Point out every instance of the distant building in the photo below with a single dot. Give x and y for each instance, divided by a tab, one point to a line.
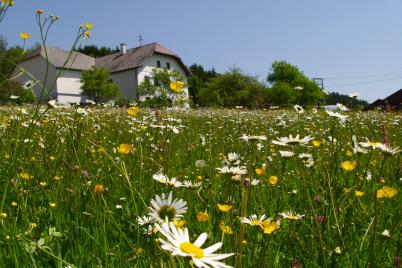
393	101
128	69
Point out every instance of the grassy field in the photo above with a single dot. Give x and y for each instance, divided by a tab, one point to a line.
79	188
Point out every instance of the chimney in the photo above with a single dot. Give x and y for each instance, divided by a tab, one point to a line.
123	48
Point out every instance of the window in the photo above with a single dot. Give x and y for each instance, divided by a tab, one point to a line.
168	65
158	63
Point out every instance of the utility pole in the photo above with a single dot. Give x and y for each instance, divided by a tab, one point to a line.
140	39
319	82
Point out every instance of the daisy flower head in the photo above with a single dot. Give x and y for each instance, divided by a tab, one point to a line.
164	207
287	154
178	243
287	141
290	215
254	220
298	109
342	118
388	150
232	157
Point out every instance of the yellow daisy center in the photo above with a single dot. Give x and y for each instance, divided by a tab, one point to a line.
256	223
167	212
190	248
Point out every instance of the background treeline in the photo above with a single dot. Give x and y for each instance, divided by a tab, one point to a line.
285	84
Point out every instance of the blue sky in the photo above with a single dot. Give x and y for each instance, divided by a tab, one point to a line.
356	46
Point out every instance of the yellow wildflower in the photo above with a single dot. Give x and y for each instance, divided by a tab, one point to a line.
99	188
87	34
349	153
224	208
52	205
43	183
349	165
14	204
316	143
133	111
88	25
269	226
273	180
202	216
25	36
177	86
125	148
225	229
359	193
25	176
260	171
387	192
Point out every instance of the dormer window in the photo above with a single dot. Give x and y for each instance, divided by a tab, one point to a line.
168	65
158	64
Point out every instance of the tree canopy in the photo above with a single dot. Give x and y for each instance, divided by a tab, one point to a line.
96	84
290	86
96	52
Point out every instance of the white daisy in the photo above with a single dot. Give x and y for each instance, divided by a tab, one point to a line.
254	220
286	141
178	243
298	109
232	170
287	154
291	216
253	138
233	157
145	220
191	184
388	150
165	207
342	118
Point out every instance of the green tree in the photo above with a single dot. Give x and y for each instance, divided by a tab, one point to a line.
155	90
96	52
290	85
234	88
97	85
198	80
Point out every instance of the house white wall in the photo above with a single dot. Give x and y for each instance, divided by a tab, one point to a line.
35	69
69	87
126	81
151	64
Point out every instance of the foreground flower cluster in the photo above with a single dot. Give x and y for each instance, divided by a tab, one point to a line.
141	188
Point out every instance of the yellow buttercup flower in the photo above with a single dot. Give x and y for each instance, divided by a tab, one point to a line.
224	208
87	34
316	143
225	229
177	86
8	2
202	216
269	226
25	176
3	216
125	148
260	171
273	180
349	153
25	36
349	165
359	193
387	192
133	111
89	26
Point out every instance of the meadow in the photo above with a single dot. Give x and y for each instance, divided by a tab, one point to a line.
116	187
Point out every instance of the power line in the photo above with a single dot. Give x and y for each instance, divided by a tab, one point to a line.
361	76
366	82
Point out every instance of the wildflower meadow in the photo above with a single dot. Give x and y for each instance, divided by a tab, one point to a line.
136	188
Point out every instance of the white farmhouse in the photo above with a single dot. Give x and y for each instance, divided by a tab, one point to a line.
62	73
